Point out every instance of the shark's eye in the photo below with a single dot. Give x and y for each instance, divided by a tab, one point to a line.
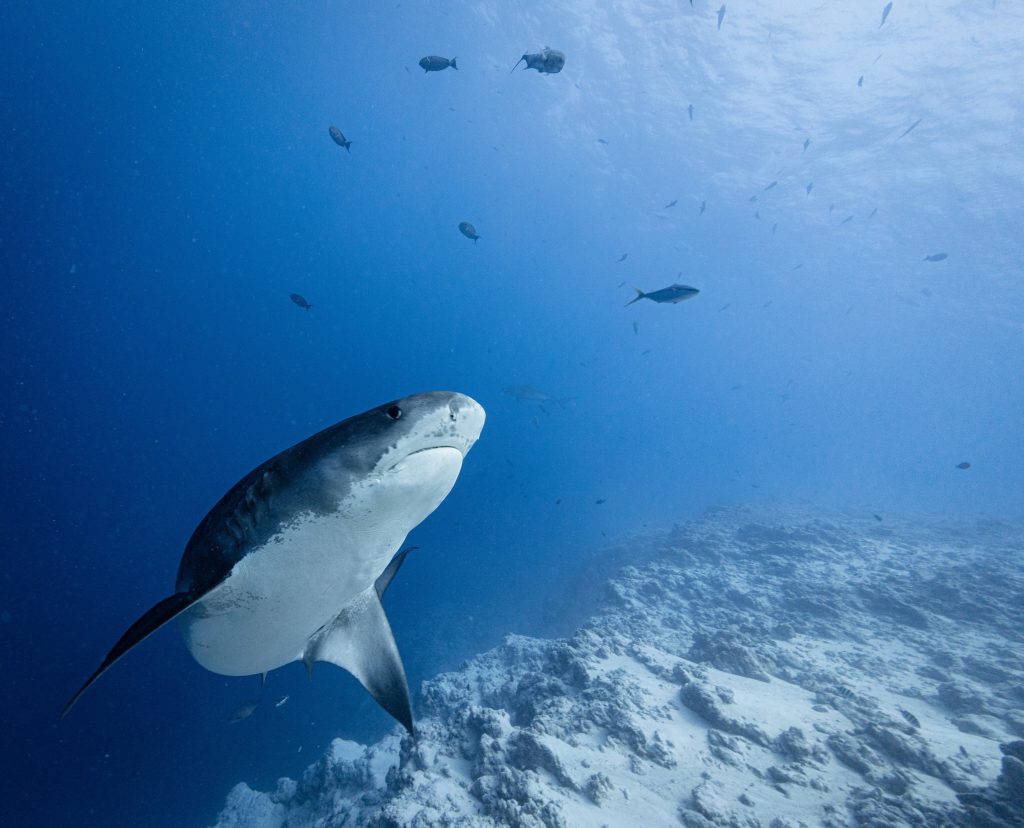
394	412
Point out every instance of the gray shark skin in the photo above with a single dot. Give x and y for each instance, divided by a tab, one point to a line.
292	561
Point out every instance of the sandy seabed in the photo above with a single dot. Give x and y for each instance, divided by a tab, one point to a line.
761	667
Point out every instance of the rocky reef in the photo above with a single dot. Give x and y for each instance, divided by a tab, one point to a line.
752	668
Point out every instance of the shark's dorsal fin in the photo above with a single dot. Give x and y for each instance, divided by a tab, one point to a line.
359	640
150	622
388	575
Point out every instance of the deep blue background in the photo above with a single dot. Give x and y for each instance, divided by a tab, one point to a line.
167	180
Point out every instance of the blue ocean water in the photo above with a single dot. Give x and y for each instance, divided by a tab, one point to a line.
168	180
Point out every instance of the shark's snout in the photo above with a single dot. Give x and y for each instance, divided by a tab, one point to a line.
468	417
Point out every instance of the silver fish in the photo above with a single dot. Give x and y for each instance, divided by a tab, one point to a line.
244	711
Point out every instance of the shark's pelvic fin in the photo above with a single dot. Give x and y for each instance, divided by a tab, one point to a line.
359	640
153	620
388	575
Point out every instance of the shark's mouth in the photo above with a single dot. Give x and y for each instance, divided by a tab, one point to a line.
423	451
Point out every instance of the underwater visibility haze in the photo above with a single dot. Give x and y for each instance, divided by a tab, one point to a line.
759	256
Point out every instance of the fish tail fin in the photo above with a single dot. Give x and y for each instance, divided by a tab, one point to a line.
639	295
454	66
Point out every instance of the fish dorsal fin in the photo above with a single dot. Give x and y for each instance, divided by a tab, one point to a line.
359	640
150	622
388	575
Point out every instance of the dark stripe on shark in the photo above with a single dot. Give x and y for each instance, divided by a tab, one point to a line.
277	492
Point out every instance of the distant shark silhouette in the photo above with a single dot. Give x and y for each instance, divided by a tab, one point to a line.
291	563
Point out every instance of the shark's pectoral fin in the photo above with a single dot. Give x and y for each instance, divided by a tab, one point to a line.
359	640
388	575
153	620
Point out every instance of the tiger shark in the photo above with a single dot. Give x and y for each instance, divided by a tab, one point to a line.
291	563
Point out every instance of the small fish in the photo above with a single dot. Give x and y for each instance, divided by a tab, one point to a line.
645	353
807	143
558	502
689	111
600	501
527	393
775	227
300	301
860	81
672	295
912	720
885	14
767	304
964	465
703	207
872	213
244	711
548	61
433	63
636	328
831	207
936	257
468	230
736	388
339	138
672	203
721	16
621	284
602	141
876	517
910	128
845	692
280	701
726	306
798	266
810	186
621	258
771	186
753	198
848	219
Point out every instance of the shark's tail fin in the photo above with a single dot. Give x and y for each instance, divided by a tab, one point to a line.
453	63
639	295
517	63
347	145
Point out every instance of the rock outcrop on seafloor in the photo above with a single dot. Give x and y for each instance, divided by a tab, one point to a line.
757	668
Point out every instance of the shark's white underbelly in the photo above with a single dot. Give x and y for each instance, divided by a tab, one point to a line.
261	616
